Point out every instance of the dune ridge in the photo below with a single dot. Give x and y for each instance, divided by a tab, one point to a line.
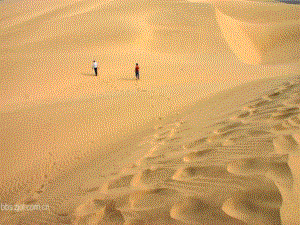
102	150
259	32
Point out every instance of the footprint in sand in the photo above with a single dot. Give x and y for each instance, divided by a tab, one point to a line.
293	101
175	139
259	104
29	199
160	139
228	138
150	199
149	159
42	187
274	95
294	90
93	189
284	113
283	128
197	155
287	87
148	179
241	115
63	214
258	133
34	196
163	133
201	172
159	127
186	173
183	127
196	143
294	121
116	183
228	127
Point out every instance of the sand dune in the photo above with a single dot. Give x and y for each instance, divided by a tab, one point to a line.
253	181
257	31
250	190
159	35
162	150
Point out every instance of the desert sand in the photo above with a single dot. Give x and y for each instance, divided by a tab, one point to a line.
208	135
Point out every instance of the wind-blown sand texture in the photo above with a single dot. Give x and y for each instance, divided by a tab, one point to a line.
163	150
238	165
259	32
259	37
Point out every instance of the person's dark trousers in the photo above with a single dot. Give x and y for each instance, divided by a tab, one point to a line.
137	75
96	73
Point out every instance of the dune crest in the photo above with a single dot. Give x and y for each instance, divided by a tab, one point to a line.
260	33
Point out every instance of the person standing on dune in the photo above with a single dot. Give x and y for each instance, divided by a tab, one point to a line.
137	71
95	67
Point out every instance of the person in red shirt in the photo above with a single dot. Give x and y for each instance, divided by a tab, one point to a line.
137	71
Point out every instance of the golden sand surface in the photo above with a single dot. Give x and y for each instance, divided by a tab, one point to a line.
208	135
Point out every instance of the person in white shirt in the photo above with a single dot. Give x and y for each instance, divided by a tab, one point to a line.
95	66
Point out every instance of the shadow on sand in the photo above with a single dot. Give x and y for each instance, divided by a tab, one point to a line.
128	79
88	74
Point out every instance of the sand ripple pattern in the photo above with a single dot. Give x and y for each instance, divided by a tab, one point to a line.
238	170
241	168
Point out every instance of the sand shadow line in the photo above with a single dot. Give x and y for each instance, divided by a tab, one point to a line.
128	79
88	74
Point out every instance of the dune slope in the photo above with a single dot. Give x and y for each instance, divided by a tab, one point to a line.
103	150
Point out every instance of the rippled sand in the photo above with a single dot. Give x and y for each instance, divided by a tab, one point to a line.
166	149
237	168
235	163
